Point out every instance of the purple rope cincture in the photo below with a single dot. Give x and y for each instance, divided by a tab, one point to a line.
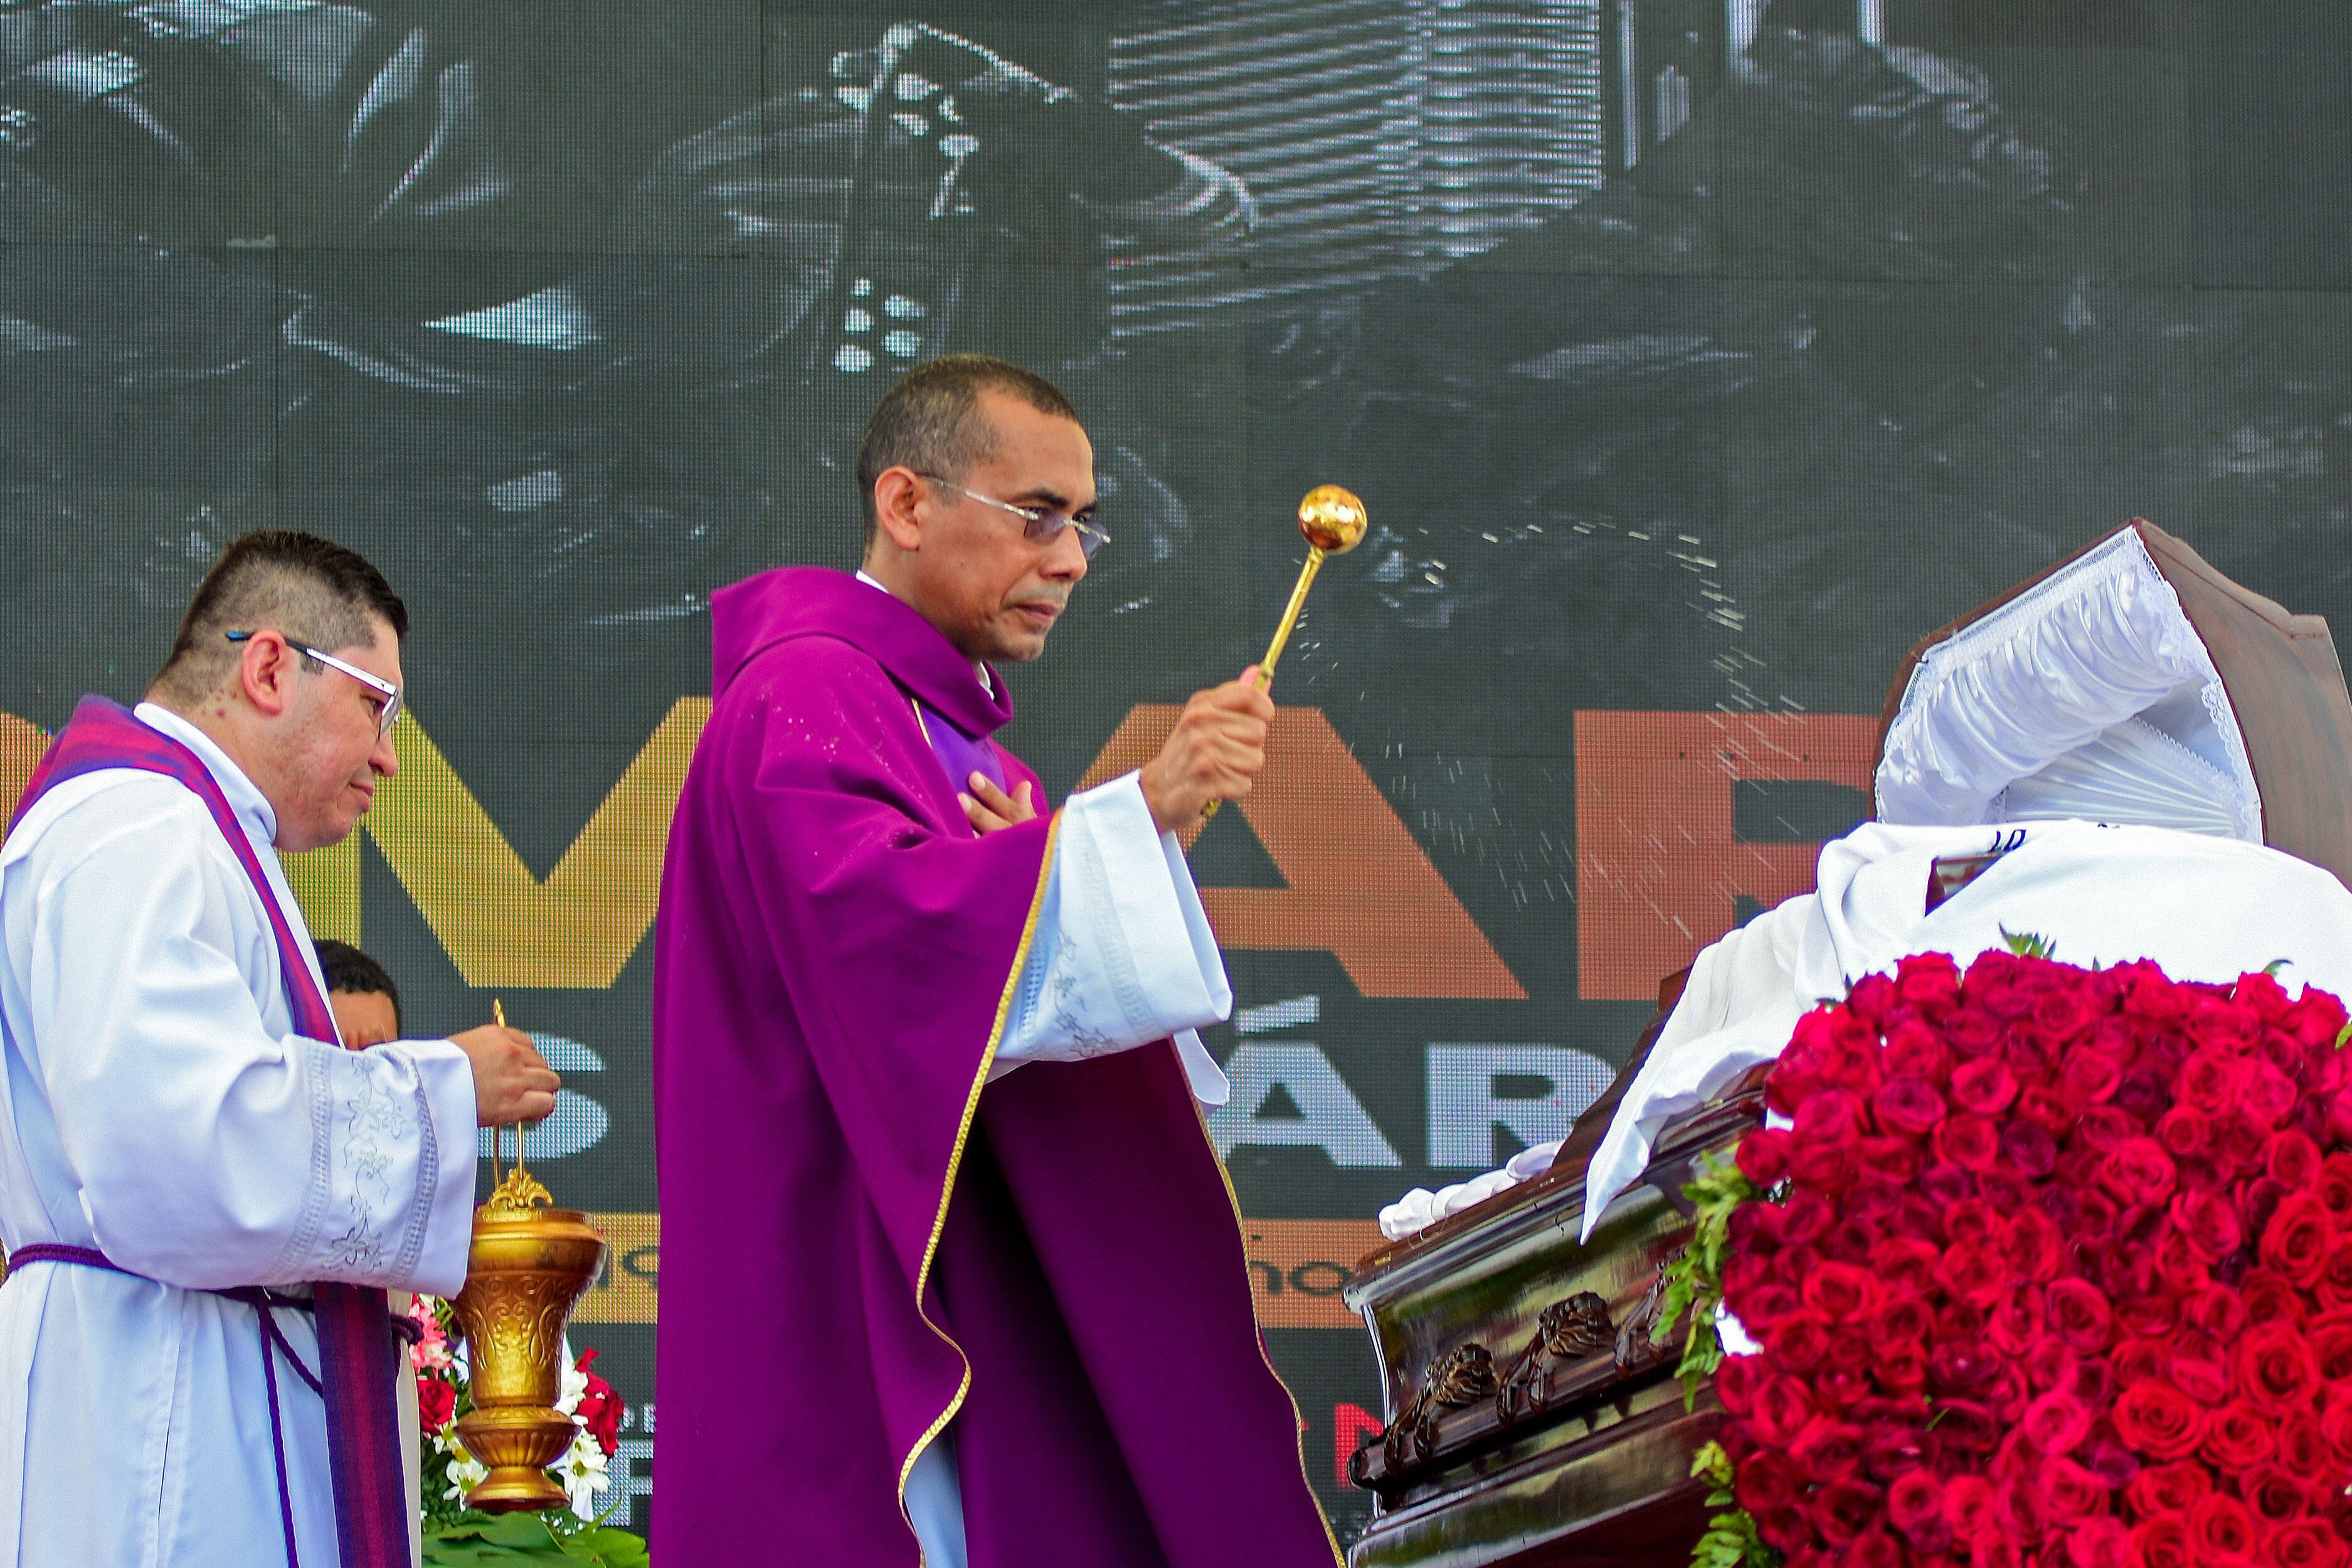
273	1345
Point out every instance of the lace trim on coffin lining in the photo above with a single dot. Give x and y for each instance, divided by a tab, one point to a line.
2102	646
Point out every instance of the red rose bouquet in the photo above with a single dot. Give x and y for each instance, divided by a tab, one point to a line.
2053	1269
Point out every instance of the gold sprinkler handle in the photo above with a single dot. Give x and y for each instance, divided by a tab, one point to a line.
1315	553
499	1016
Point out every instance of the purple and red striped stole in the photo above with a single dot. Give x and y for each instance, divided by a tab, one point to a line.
358	1359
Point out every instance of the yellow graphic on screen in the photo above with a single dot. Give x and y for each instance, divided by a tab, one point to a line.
1355	882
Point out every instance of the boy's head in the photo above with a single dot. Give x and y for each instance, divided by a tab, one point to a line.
365	1002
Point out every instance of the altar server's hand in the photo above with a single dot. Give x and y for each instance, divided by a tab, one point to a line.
989	808
512	1082
1215	754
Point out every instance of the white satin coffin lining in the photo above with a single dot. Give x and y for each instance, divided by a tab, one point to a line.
2090	695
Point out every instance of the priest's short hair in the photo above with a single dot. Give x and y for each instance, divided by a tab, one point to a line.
929	420
312	589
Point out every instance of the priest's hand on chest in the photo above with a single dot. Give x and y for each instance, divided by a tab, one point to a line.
990	809
511	1082
1215	753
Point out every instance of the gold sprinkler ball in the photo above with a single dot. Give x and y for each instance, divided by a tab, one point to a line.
1331	519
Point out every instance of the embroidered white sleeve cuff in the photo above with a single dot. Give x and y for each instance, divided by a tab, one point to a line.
1123	955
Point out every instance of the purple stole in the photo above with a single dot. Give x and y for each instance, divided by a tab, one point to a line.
958	753
358	1364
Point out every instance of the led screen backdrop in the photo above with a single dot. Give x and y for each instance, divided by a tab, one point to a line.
1692	359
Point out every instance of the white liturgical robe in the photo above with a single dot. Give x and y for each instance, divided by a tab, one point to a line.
157	1106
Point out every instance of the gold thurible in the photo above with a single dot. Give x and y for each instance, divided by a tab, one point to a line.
1331	519
530	1262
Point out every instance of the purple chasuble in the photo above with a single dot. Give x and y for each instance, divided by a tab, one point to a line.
858	1244
358	1360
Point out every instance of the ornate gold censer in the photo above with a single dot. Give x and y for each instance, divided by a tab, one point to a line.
1332	521
529	1263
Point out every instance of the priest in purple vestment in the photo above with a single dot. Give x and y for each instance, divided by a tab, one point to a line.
951	1273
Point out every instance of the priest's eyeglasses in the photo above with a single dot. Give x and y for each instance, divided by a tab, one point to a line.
1042	524
375	683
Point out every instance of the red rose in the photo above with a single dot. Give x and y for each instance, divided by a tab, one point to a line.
2063	1014
1797	1341
2264	994
2018	1319
2163	1542
1915	1499
2056	1424
2184	1131
2139	1358
2078	1313
2270	1296
1805	1218
2276	1372
2138	1172
1768	1481
2106	1127
2236	1439
2267	1095
2290	1159
1961	1366
2210	1079
2298	1237
437	1403
1886	1163
1973	1271
2335	1425
1969	1141
2336	1277
2301	1448
1763	1156
1843	1509
1840	1292
2050	1364
2222	1528
1902	1364
2317	1018
2028	1148
1737	1380
1915	1050
2157	1419
2100	1542
2033	1247
2168	1489
2150	995
2222	1026
1870	999
1983	1087
1827	1449
1832	1115
1929	981
1968	1507
1783	1408
2068	1493
1908	1105
2305	1544
2088	1075
1824	1165
2334	1187
1971	1032
1873	1549
1906	1263
2199	1370
2274	1495
2207	1223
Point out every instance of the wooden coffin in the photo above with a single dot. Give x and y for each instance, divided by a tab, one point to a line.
1529	1418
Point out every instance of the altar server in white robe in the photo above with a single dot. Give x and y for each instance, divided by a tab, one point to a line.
159	1107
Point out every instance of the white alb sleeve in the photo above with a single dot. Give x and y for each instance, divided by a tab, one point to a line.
1123	955
212	1150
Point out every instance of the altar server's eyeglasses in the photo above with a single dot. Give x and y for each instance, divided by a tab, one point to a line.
1042	524
375	683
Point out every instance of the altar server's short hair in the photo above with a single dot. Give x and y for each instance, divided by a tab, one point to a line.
929	420
312	589
350	970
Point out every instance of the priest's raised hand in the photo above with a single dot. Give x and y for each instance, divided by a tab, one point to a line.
1215	753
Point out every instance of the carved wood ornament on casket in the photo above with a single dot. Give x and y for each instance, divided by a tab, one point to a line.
1531	1419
